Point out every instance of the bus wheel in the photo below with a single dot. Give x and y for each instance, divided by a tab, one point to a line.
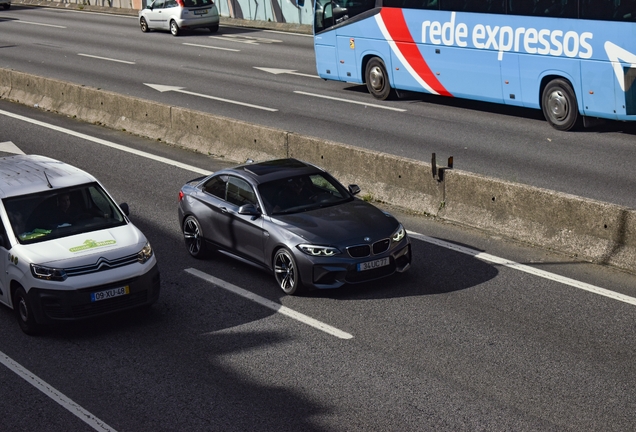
559	105
377	79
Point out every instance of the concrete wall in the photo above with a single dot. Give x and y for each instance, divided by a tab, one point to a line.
590	230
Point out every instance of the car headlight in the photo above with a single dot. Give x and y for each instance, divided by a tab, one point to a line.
145	253
399	234
313	250
48	273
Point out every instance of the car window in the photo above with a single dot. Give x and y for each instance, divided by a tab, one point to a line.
302	193
239	192
61	212
158	4
170	3
197	3
216	186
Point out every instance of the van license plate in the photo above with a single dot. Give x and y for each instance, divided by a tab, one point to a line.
370	265
110	293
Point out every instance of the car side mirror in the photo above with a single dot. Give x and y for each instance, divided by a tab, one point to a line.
249	209
354	189
124	208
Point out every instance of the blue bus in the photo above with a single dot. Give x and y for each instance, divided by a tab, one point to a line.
573	59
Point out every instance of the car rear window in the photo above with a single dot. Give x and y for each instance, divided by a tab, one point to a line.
197	3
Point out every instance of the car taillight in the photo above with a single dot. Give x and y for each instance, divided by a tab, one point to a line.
180	3
181	195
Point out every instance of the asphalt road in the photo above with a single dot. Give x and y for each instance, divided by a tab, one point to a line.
110	52
457	343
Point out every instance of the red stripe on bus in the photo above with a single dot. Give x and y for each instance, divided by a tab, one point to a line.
396	26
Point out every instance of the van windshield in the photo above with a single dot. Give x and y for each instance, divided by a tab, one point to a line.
61	213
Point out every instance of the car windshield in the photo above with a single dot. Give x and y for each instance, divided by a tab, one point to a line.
61	213
302	193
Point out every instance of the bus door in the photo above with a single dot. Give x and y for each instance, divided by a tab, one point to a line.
325	41
510	80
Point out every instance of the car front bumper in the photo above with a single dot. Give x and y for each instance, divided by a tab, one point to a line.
334	273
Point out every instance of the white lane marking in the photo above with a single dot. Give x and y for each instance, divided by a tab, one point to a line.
270	304
105	58
164	88
54	394
37	24
285	71
9	147
250	40
288	33
108	143
525	268
349	101
211	47
477	254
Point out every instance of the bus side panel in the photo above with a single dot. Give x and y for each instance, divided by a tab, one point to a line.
326	62
510	80
346	57
533	68
468	73
598	90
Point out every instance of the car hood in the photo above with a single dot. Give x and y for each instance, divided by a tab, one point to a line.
86	248
348	223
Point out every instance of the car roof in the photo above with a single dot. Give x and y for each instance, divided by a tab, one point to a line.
267	171
25	174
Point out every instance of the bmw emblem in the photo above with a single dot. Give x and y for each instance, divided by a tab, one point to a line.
367	239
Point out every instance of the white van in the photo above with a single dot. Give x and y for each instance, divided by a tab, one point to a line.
72	253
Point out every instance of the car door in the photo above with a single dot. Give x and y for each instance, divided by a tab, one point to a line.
245	234
155	15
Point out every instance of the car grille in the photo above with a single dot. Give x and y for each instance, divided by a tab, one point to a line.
101	265
361	251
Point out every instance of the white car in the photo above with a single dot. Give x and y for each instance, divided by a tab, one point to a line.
72	253
177	15
5	3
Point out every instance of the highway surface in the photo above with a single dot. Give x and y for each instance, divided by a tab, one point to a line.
269	78
481	334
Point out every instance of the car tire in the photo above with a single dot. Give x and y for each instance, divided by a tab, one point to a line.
174	28
214	28
144	25
193	236
24	312
377	79
558	102
286	272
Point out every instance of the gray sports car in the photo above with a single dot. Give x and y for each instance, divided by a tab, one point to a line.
295	220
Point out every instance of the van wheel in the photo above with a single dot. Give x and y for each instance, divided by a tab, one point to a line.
24	312
559	106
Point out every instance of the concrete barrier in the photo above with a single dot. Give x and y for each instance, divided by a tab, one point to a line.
591	230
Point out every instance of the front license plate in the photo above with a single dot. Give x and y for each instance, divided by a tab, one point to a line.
370	265
110	293
201	12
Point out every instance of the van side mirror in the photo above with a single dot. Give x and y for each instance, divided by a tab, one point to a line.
124	208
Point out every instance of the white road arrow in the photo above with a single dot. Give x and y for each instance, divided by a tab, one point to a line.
9	147
617	55
284	71
165	88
